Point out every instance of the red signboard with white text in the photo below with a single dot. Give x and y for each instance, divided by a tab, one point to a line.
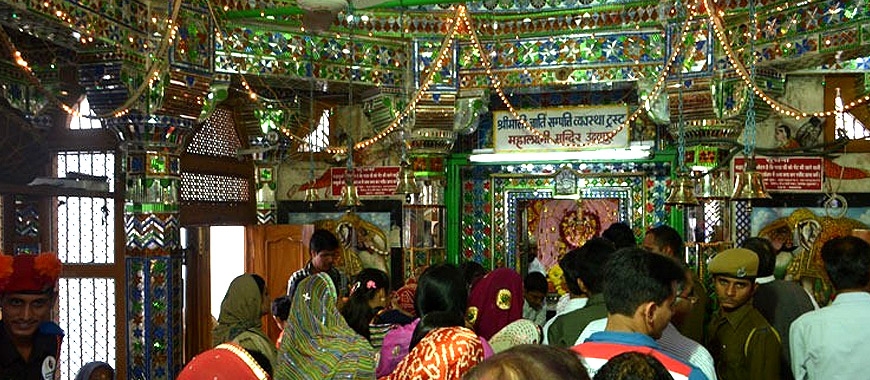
787	174
369	180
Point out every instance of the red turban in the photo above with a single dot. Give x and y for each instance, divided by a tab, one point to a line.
27	273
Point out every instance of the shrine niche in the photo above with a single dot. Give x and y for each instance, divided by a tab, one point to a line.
555	226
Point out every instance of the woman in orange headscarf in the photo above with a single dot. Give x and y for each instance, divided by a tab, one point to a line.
445	353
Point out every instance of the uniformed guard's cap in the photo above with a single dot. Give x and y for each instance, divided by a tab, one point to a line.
735	262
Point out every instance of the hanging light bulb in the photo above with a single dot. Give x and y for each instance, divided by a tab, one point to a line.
749	184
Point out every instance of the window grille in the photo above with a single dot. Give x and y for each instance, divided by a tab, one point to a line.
88	121
90	163
318	139
85	230
87	316
217	137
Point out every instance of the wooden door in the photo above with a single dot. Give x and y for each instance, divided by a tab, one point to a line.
274	252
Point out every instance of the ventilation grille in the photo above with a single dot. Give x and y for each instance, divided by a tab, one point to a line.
213	188
217	137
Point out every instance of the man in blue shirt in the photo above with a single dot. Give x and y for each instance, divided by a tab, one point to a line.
639	292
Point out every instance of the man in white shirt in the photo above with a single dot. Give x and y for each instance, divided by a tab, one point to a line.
575	299
831	343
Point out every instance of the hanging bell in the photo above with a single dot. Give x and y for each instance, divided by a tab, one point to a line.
683	193
715	185
749	184
311	195
349	196
407	183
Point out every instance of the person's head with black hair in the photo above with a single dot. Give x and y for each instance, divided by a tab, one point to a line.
280	310
584	269
640	290
323	247
535	289
432	321
530	361
664	240
441	288
766	256
633	365
262	360
621	235
368	294
472	271
847	261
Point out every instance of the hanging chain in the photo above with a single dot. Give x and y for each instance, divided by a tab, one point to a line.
312	121
749	129
350	117
681	121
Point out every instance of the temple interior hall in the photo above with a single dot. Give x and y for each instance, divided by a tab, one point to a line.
161	148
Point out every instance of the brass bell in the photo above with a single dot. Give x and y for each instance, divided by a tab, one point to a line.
311	195
749	184
715	185
349	196
683	193
407	183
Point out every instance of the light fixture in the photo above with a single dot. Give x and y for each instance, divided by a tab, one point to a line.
683	193
635	152
749	184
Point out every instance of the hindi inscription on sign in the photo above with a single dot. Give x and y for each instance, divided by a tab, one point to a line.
793	174
369	180
564	128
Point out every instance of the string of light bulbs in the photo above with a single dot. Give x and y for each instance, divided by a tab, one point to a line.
778	106
153	71
418	95
496	83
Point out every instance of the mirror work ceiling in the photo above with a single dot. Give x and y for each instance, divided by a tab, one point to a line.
180	58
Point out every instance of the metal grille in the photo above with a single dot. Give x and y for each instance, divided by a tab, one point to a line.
85	122
85	230
87	316
217	137
713	221
213	188
90	163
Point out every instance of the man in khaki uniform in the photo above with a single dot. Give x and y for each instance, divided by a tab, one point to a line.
743	344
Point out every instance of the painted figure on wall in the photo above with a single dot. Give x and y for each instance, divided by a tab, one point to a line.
363	244
798	235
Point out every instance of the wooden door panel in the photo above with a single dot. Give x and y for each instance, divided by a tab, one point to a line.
274	252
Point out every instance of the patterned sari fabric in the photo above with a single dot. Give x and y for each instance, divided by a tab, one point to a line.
444	354
318	343
495	301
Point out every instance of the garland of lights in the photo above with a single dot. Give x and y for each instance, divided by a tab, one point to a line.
780	107
153	71
496	83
